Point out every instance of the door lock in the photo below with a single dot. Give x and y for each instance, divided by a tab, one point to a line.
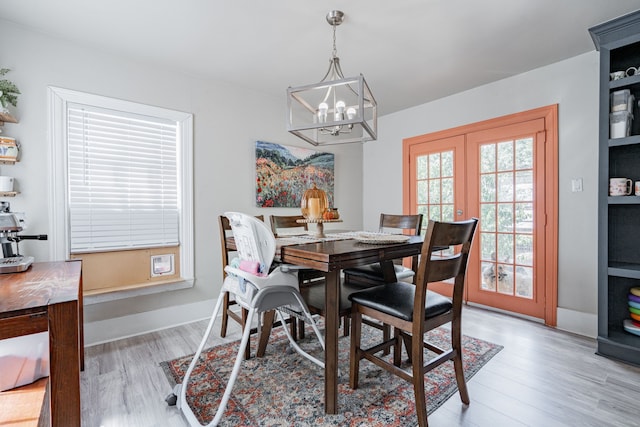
459	212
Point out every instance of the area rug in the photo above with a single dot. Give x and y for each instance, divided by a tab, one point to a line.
285	389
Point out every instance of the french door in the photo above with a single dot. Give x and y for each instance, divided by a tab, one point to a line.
502	172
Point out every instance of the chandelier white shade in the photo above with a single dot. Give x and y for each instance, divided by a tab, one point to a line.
336	110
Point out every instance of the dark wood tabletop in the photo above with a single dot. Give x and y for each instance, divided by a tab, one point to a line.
48	297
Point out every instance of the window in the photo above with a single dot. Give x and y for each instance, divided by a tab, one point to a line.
122	178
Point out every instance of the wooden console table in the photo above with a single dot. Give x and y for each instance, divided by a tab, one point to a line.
48	297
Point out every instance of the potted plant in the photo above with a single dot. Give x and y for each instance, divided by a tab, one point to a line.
8	91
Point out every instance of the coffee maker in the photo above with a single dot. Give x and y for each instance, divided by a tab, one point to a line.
10	226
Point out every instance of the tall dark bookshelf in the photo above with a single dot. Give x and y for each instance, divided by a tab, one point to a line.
619	216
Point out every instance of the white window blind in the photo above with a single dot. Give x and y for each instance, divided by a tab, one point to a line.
122	179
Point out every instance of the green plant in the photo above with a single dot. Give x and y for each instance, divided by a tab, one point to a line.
8	90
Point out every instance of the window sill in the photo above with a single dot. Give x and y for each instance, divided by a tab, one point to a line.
114	294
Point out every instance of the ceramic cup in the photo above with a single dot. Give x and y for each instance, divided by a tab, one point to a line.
632	71
620	186
6	183
637	192
617	75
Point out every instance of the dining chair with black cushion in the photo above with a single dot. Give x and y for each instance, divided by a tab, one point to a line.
371	274
306	277
227	311
413	310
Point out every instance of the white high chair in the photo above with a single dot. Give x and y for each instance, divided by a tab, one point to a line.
257	290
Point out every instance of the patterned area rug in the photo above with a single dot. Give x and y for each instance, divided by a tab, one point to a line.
285	389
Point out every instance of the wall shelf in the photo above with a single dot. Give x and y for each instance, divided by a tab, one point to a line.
623	200
7	118
8	193
629	140
624	269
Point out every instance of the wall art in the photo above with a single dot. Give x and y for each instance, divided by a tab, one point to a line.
284	173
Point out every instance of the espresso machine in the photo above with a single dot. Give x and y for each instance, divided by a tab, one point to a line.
10	226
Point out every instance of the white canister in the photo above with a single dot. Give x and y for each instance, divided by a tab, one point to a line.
6	183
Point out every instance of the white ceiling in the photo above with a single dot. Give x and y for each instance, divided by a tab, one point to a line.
410	51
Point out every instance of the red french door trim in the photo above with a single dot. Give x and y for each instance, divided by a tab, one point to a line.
550	181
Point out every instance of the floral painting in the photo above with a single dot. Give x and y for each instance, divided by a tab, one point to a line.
284	173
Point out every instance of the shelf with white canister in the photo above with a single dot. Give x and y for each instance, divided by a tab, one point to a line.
9	155
618	42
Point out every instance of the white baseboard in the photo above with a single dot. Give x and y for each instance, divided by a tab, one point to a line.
102	331
137	324
578	322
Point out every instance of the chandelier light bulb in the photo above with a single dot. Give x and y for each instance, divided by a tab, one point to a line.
351	113
322	112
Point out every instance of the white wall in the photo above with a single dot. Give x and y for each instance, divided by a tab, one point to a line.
573	85
227	119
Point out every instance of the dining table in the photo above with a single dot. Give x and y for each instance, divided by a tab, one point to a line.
331	255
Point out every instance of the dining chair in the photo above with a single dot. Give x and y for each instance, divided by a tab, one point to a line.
288	222
371	274
306	277
227	311
413	310
257	288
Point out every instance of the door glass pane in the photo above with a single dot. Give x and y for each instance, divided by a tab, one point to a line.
447	190
505	187
434	165
447	163
506	217
488	188
524	153
434	213
505	156
524	186
505	279
488	246
421	167
447	213
434	191
524	282
488	217
489	279
435	186
488	158
423	192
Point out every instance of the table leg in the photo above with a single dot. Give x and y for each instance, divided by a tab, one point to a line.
388	271
64	376
332	323
265	331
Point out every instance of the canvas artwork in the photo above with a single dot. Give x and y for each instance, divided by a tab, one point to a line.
284	173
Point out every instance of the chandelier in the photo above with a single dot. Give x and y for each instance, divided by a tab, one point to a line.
336	110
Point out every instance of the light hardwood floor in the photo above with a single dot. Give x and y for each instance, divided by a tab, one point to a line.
542	377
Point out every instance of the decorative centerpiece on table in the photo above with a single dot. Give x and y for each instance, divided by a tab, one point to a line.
315	209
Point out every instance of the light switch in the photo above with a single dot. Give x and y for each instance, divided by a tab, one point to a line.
576	185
